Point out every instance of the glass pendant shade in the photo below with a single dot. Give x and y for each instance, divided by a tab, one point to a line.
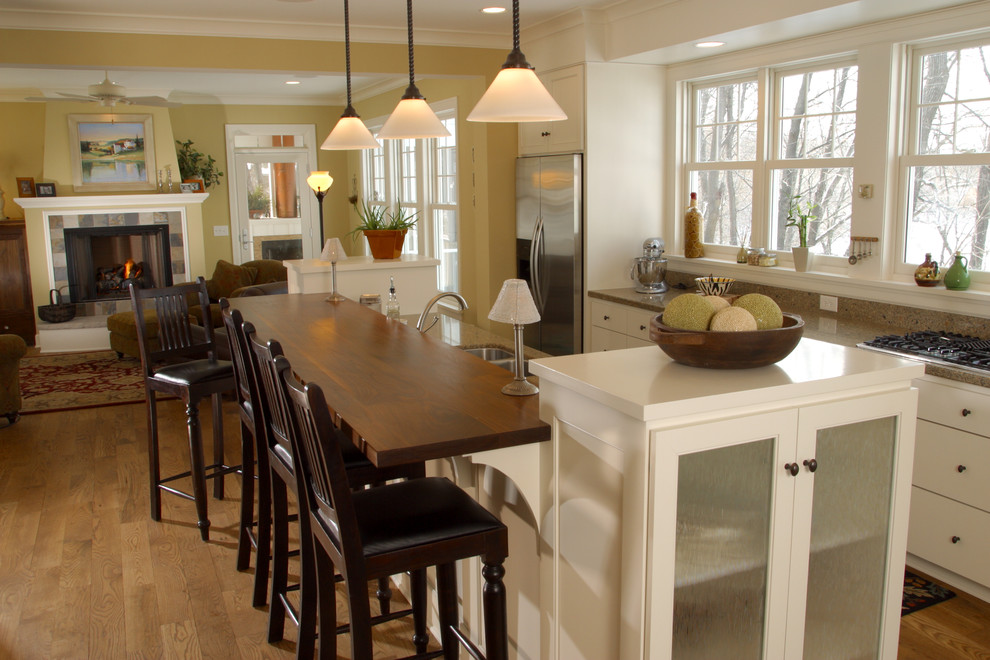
412	118
350	133
516	95
319	181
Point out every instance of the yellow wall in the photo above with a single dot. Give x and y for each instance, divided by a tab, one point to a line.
486	151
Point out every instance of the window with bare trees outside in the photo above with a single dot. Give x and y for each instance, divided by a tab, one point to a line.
947	164
745	189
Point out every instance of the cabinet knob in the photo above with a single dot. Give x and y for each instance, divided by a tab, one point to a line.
605	318
960	468
966	412
792	468
642	327
811	464
545	134
956	539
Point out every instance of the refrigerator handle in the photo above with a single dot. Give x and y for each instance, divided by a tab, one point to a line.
535	263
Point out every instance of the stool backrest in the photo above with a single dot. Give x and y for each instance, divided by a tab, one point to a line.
175	334
323	475
276	416
247	386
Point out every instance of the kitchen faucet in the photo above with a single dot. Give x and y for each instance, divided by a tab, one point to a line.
433	301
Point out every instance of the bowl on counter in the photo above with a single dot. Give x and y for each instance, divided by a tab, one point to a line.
728	350
714	286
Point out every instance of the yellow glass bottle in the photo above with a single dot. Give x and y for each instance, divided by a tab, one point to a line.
693	247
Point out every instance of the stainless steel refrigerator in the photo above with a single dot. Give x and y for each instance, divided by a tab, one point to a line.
550	249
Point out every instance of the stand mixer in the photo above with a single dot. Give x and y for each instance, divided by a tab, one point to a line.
649	271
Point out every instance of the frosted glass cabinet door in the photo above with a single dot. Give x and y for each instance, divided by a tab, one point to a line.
850	523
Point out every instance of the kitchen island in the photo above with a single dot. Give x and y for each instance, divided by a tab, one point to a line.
756	513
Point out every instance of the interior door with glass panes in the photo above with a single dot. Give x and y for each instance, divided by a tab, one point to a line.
273	218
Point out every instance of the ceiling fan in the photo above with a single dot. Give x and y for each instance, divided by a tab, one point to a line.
109	94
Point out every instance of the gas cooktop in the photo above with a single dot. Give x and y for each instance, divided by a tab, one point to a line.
946	348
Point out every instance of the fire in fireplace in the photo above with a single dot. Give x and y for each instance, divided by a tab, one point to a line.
102	261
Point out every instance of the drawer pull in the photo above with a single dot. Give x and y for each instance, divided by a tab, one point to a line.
966	412
956	539
605	318
811	464
960	468
642	327
792	468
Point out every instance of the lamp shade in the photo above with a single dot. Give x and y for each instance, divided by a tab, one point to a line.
333	251
516	95
412	118
514	304
350	133
319	181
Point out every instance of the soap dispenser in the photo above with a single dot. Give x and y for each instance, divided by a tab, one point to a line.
392	306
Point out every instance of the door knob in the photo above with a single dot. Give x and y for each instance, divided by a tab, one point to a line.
960	468
966	412
955	539
793	469
811	464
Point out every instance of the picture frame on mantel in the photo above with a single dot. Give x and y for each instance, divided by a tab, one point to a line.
112	153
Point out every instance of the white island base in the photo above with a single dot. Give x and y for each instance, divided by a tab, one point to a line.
694	513
415	278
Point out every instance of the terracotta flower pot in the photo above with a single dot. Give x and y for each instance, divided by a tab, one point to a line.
385	243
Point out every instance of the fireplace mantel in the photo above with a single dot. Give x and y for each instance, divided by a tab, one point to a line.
47	217
114	202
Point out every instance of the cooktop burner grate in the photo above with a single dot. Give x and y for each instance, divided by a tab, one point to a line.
964	352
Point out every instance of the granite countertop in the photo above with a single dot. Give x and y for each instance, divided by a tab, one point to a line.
836	328
452	331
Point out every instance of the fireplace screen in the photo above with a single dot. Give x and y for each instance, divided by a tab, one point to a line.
101	262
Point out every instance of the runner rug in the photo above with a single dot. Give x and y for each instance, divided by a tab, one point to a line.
920	593
68	381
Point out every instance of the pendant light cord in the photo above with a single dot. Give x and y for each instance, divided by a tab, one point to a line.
516	59
515	24
347	50
409	22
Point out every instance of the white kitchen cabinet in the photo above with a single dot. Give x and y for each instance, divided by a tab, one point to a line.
674	529
778	544
949	534
615	326
567	135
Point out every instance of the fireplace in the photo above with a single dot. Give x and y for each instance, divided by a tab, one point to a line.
101	262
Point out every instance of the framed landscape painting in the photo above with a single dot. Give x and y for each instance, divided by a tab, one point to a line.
112	152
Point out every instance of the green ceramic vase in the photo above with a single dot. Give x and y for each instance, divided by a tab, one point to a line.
957	276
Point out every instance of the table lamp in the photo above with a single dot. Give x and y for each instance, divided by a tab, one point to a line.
515	305
333	252
320	182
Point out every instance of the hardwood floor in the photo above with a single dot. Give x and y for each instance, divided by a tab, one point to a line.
86	573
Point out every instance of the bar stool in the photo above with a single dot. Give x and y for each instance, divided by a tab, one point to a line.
254	531
277	422
186	367
404	526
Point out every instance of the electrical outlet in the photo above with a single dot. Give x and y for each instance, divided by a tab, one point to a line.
221	230
829	303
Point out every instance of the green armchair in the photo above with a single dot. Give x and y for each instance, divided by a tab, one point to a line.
12	348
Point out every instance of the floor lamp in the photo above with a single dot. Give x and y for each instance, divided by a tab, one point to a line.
320	182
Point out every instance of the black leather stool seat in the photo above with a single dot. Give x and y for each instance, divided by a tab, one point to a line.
418	512
196	372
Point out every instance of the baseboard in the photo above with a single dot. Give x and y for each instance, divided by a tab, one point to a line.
952	579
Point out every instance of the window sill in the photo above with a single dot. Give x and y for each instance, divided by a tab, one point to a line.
972	302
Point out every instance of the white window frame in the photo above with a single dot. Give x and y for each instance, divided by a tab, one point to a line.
909	149
427	239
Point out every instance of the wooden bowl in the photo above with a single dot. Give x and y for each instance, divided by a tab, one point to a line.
728	350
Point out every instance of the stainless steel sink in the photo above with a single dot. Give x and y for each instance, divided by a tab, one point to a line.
500	357
490	353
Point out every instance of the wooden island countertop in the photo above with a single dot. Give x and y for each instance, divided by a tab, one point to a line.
407	396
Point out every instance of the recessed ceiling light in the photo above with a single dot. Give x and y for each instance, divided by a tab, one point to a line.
292	82
709	44
493	10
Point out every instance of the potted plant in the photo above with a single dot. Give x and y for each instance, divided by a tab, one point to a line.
385	229
259	203
195	166
800	217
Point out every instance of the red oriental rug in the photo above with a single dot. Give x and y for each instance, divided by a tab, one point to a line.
68	381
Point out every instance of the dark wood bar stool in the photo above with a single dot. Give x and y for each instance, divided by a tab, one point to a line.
404	526
184	366
277	421
254	530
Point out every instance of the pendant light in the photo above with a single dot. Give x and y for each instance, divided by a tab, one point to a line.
516	94
412	117
350	132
